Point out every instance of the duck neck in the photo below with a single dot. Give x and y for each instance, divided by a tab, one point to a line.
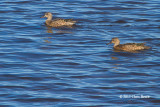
117	43
49	18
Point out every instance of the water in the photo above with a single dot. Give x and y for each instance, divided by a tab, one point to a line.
73	67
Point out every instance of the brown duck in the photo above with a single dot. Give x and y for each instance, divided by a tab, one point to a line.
57	22
127	46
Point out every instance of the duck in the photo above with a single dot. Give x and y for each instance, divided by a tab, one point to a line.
128	46
57	22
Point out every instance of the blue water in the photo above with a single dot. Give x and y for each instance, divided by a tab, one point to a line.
73	67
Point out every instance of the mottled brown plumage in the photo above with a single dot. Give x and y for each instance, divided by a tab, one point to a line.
57	22
127	46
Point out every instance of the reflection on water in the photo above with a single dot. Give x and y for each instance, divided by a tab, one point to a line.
47	41
128	51
49	30
114	58
115	64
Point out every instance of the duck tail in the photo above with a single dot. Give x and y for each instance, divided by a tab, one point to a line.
71	22
147	47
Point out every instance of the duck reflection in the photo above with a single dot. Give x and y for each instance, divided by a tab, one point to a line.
115	50
114	58
48	39
115	64
49	30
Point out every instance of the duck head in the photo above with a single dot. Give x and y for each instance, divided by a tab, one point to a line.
114	41
48	15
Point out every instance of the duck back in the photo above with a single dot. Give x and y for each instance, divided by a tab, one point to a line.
131	46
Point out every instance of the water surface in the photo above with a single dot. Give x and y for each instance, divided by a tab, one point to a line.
73	67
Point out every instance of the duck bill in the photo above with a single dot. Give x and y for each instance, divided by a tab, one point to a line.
108	43
42	16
